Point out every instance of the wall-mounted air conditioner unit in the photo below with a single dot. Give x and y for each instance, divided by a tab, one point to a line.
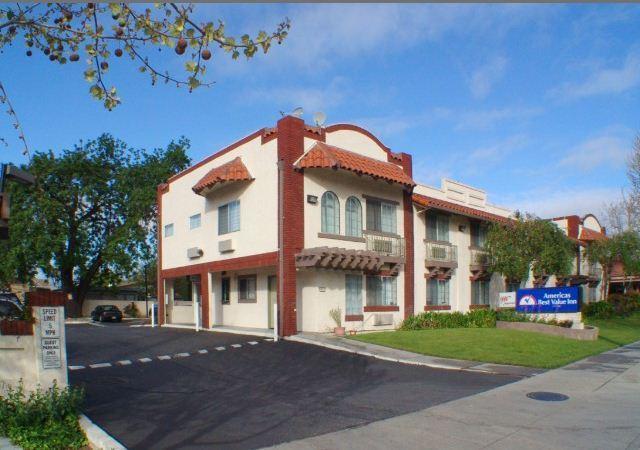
194	252
226	246
382	319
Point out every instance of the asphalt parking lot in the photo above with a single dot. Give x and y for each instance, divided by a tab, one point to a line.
210	393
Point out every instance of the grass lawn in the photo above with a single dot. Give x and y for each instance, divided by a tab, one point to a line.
509	346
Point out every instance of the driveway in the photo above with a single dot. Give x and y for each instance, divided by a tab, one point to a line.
249	396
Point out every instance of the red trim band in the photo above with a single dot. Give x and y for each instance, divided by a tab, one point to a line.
381	308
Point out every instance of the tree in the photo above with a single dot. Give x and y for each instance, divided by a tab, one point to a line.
624	214
90	215
622	247
528	244
62	31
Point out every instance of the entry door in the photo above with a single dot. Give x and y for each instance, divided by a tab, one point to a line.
273	296
196	298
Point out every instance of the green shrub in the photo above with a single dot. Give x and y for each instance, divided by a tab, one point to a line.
131	310
481	318
510	315
624	304
45	419
598	310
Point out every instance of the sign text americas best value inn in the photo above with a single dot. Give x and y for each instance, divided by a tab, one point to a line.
548	300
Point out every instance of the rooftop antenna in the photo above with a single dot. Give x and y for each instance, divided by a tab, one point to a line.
319	119
298	112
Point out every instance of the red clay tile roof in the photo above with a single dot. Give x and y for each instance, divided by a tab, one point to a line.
435	203
326	156
234	170
587	234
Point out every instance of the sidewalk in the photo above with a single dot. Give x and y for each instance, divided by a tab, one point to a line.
602	412
402	356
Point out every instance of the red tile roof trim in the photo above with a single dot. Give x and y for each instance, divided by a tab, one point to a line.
430	202
323	156
587	234
234	170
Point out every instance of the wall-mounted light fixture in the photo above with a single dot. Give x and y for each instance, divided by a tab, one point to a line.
461	228
312	199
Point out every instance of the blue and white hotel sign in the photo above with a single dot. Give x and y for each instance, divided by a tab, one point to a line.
548	300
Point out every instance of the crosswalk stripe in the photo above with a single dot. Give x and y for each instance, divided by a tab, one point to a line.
219	348
99	365
76	367
252	343
124	362
164	357
145	360
236	345
203	351
182	355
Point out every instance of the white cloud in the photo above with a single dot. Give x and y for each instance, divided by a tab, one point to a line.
548	203
604	81
481	120
310	98
484	77
597	152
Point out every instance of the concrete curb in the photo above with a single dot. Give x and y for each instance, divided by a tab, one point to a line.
384	358
97	437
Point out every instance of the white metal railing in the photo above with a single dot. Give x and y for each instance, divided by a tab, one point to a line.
388	245
479	257
441	251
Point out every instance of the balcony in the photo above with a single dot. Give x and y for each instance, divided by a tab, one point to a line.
441	258
479	264
384	244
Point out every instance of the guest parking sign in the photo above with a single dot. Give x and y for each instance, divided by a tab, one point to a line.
50	326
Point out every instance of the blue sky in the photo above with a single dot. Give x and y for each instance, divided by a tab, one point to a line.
536	104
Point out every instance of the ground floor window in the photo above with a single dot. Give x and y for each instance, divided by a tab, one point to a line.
437	292
381	291
353	284
247	289
225	287
512	286
480	292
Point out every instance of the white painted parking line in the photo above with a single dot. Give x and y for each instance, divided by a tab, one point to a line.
203	351
136	326
124	362
99	365
164	357
181	355
145	360
219	348
268	339
236	345
252	343
76	367
96	324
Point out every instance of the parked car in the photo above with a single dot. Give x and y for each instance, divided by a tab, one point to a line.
104	313
10	306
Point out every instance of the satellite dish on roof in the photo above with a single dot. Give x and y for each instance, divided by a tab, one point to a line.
298	112
319	118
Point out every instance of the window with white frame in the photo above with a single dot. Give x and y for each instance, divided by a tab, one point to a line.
195	221
247	289
381	216
353	217
480	292
353	284
330	210
229	217
437	226
478	232
437	292
381	291
168	230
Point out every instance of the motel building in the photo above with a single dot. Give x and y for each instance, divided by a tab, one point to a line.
318	218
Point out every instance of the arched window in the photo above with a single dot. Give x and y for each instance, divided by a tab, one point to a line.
353	217
330	213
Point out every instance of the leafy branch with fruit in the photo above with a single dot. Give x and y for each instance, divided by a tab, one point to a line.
64	31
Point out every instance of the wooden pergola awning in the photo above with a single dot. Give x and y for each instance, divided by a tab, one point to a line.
347	259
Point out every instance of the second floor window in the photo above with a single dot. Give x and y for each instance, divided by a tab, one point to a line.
478	234
194	221
168	230
330	220
437	292
353	219
480	292
381	216
437	227
229	217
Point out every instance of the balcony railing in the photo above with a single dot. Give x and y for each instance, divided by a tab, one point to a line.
591	270
387	245
441	252
479	257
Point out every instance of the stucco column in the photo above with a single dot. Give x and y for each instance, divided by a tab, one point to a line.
204	298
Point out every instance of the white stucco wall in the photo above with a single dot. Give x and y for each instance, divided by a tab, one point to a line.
258	209
356	142
254	315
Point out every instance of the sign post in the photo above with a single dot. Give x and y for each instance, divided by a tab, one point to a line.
50	344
